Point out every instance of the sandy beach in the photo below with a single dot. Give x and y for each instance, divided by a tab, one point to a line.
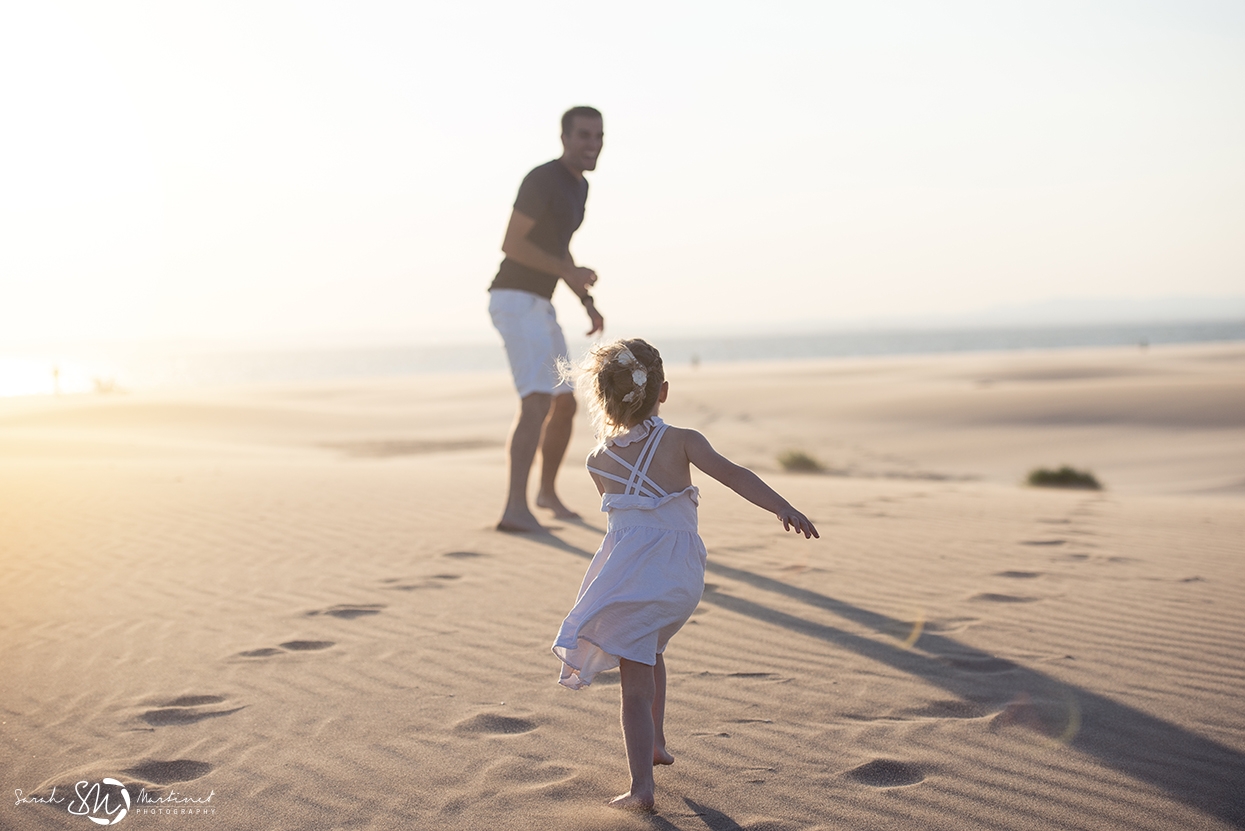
288	605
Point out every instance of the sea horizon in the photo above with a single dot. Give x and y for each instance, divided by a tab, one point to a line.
136	367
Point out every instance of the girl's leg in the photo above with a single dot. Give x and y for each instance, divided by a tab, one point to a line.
637	725
660	755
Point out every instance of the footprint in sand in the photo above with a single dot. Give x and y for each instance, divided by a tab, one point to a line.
349	611
291	646
167	773
306	646
529	771
886	773
185	710
495	724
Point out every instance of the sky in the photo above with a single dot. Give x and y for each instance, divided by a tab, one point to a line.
316	173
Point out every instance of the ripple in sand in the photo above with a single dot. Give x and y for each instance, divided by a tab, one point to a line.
463	555
949	708
983	663
950	625
193	701
992	597
1042	542
493	723
1020	575
166	773
387	448
886	773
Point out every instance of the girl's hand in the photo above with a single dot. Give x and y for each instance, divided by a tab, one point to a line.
793	520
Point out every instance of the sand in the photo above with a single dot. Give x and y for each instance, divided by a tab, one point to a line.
290	600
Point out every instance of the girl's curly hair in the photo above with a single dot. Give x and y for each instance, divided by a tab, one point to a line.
620	383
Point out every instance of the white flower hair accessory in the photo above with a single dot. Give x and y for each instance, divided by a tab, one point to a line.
639	375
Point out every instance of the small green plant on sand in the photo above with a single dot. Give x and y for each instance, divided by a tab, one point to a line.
1064	477
797	461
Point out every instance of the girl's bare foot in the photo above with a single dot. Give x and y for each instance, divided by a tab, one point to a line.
661	756
638	802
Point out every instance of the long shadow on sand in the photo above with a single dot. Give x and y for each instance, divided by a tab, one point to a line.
1192	769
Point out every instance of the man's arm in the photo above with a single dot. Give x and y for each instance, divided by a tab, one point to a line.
519	248
523	251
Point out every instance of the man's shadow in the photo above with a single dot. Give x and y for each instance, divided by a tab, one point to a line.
1200	772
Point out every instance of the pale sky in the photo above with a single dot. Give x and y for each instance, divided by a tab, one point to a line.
333	172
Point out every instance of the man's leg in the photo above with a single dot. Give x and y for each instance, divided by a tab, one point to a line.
553	443
524	439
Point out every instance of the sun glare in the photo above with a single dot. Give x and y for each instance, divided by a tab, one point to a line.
33	376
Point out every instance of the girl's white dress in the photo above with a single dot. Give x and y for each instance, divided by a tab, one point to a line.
647	577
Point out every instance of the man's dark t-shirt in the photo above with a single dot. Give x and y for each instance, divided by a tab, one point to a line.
555	198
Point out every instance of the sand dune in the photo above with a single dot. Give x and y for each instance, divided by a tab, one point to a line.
290	599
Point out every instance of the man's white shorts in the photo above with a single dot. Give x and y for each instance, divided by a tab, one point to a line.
534	341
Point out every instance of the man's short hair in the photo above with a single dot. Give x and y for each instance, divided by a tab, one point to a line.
568	117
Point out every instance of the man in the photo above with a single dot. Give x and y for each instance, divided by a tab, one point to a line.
547	212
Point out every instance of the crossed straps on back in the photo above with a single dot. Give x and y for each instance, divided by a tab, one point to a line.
638	483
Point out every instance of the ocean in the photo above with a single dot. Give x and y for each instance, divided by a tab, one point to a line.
135	369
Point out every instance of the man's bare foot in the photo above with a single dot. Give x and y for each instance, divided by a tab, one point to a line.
519	522
638	802
661	756
551	502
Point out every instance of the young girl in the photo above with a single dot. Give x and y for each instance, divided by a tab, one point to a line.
649	573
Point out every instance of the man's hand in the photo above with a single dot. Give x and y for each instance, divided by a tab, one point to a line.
580	279
598	322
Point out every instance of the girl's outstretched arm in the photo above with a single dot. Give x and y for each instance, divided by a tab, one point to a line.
745	483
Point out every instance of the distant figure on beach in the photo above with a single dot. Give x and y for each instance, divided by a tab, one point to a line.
647	578
547	211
